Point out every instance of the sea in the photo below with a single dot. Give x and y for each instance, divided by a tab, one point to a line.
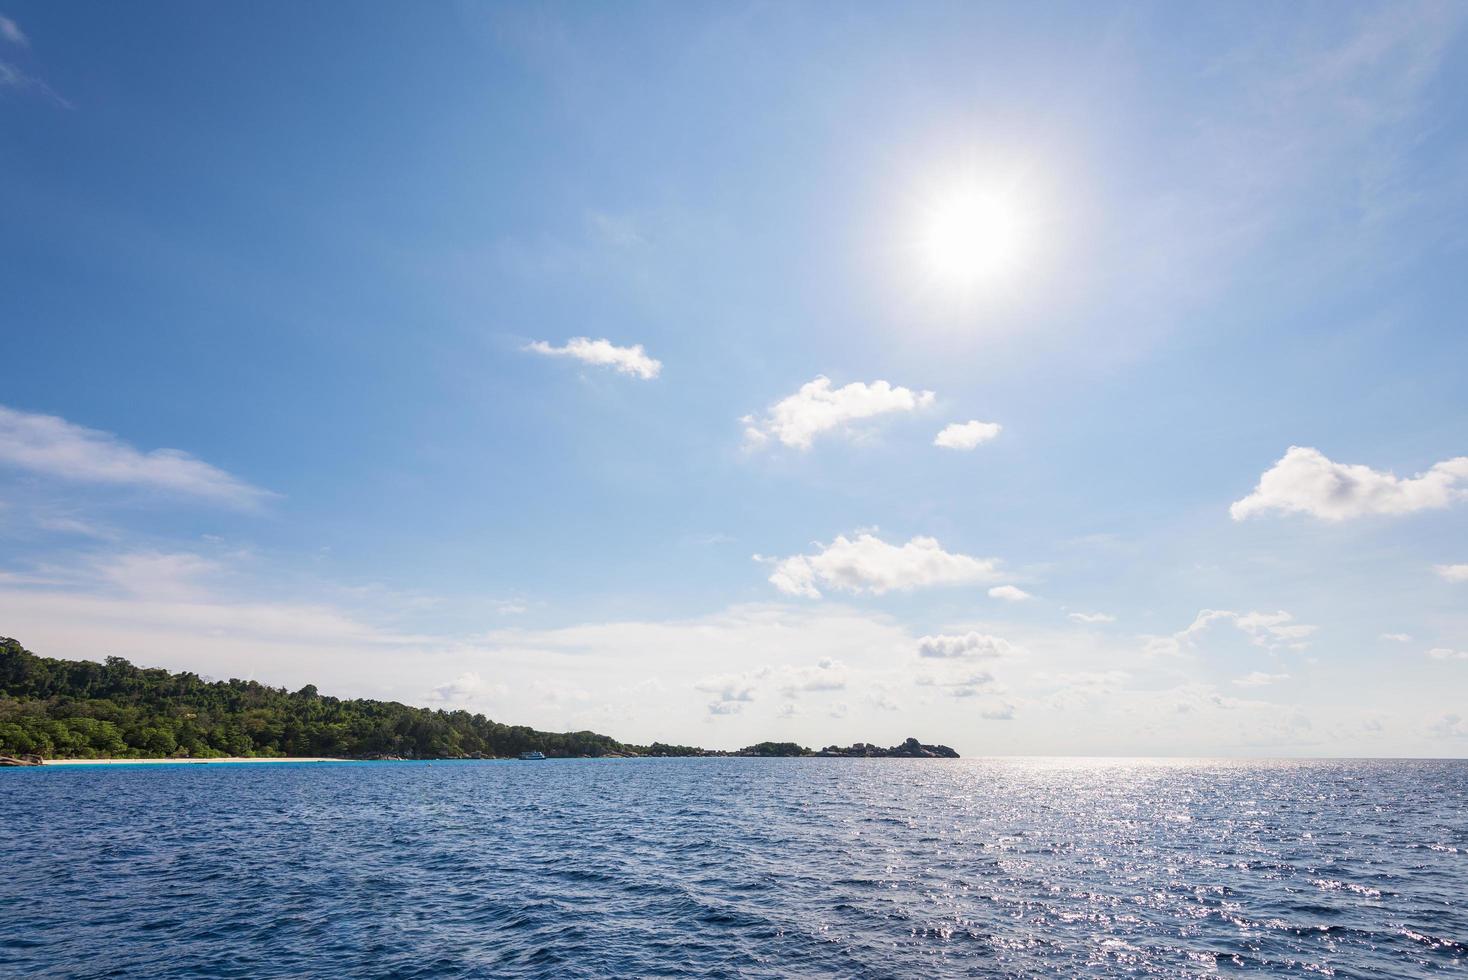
735	867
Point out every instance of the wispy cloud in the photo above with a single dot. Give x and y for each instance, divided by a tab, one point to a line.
1452	573
616	230
730	687
1009	593
10	31
1443	653
733	691
54	447
1304	481
1269	630
967	435
66	524
1260	679
1450	725
867	564
603	353
1092	618
817	408
12	76
157	574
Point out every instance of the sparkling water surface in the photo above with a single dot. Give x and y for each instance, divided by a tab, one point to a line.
736	867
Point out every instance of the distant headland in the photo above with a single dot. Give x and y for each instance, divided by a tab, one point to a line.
79	710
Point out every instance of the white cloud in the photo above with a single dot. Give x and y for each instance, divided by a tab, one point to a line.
1097	617
1009	593
997	711
725	707
818	408
53	446
1305	481
10	31
1273	629
1260	679
1452	573
967	646
1397	637
729	687
1443	653
867	564
967	435
627	360
1269	630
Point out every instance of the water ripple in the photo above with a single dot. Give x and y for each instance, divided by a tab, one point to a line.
736	867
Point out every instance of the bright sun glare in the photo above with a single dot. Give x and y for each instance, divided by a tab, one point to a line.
973	237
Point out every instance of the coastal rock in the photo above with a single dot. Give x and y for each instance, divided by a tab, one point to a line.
910	749
20	760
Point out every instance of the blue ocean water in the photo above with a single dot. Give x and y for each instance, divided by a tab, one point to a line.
736	867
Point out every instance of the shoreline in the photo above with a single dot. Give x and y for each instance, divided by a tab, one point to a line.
228	760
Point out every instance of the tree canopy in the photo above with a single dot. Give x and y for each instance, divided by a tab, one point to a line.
79	709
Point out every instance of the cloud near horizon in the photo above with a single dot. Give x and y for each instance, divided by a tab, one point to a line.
867	564
52	446
603	353
1304	481
817	408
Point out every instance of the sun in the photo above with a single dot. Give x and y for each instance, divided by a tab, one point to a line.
972	236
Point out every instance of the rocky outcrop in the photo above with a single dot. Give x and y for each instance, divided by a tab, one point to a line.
20	760
909	749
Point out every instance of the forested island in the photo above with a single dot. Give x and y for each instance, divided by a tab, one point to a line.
79	709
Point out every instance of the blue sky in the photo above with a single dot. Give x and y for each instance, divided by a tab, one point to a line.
291	386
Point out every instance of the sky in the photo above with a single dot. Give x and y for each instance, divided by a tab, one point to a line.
1080	379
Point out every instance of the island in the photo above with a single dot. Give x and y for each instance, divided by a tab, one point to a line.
64	710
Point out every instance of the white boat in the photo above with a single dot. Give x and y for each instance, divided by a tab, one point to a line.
532	756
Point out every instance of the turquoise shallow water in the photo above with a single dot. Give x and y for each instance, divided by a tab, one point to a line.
736	867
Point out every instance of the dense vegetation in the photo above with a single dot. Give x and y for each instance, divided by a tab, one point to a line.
775	749
77	709
71	709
